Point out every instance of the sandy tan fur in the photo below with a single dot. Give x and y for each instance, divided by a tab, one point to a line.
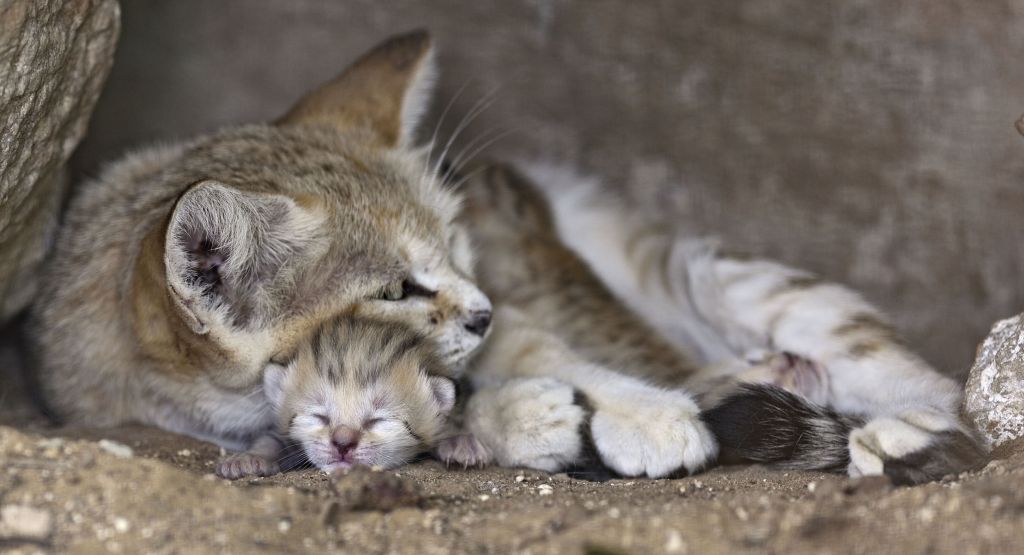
182	271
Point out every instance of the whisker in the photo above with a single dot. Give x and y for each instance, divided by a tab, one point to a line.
478	108
469	154
458	184
437	126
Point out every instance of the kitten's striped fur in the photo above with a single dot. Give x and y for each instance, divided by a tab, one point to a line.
357	392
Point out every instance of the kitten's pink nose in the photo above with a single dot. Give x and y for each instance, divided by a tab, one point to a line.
345	440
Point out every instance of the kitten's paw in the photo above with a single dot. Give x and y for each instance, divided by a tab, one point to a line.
912	448
530	422
242	465
465	450
652	432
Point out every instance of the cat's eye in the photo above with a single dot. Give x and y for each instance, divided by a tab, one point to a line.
412	289
322	418
369	423
406	288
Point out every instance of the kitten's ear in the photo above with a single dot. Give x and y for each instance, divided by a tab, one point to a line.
225	248
386	92
444	393
275	377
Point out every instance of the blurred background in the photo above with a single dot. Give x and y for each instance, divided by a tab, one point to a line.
869	141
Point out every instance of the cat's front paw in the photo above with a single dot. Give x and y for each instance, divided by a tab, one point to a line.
914	447
528	422
651	432
463	449
242	465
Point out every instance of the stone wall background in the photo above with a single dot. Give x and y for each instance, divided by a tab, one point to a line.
868	140
54	57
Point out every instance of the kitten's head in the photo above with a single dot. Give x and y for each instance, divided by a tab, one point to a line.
331	210
360	392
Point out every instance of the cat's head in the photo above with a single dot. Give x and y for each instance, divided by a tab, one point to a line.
360	392
330	210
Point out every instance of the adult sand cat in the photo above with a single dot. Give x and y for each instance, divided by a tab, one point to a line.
183	272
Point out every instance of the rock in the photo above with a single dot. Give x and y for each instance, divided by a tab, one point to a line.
363	489
119	450
994	395
54	58
21	523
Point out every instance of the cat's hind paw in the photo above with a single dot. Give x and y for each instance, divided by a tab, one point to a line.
912	448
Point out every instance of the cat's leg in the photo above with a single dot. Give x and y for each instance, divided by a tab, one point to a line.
261	459
521	422
637	429
721	306
572	328
912	431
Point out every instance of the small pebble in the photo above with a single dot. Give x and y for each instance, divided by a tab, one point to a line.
19	522
520	478
545	489
121	524
51	443
184	453
119	450
284	525
483	497
812	486
675	543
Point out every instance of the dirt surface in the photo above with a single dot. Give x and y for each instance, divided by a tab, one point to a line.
135	490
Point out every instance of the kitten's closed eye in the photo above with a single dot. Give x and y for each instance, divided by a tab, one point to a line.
322	418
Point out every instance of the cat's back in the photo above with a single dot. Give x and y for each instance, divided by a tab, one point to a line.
79	320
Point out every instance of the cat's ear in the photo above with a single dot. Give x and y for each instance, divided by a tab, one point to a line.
385	92
444	393
275	378
224	250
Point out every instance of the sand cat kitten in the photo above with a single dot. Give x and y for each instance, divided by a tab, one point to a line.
357	392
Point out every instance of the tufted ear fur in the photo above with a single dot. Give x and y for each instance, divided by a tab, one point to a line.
385	92
444	393
225	249
275	381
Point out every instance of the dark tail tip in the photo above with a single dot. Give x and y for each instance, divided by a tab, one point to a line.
765	424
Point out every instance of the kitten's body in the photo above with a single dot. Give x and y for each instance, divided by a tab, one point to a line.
357	392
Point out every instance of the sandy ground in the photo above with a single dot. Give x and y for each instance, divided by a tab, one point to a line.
137	490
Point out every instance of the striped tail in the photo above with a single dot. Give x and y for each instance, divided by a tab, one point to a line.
768	425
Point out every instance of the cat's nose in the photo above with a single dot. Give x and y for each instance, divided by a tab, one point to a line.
345	440
479	321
